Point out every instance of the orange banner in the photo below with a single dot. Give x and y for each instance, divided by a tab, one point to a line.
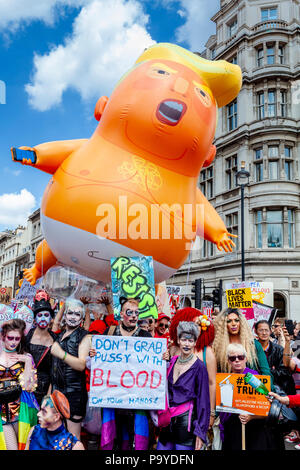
233	395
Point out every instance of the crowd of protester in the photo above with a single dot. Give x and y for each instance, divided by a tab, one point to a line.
49	369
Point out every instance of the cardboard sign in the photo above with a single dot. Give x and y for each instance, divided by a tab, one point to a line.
207	307
239	298
27	291
128	372
263	312
262	292
233	395
134	278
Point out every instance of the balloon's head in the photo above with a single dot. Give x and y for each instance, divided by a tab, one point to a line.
165	107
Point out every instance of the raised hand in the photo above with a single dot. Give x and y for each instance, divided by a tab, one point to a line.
225	243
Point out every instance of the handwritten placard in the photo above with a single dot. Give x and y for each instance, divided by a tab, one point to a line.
128	372
134	278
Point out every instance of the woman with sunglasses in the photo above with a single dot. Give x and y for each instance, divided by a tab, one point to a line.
231	327
17	373
258	435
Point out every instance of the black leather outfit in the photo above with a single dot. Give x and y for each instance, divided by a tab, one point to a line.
71	382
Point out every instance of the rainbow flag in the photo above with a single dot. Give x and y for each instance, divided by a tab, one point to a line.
108	430
2	439
27	416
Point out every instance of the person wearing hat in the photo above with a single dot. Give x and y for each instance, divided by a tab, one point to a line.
39	340
51	433
162	326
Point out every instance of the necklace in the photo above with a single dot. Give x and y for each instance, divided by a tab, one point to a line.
8	350
127	328
187	359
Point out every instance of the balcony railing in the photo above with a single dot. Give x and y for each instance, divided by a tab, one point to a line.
269	25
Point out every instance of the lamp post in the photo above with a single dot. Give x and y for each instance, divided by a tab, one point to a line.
242	180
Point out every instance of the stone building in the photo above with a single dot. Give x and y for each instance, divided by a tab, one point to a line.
260	130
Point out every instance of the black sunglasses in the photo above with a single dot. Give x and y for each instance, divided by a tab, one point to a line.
163	325
234	358
130	313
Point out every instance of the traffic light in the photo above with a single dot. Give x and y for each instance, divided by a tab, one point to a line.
217	294
196	288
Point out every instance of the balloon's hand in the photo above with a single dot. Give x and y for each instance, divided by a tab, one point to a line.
225	243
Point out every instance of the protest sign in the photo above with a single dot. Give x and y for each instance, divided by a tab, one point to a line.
263	312
128	372
233	395
162	299
207	307
27	291
134	278
239	298
262	292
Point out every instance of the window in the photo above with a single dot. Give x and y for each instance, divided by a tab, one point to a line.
231	170
258	155
274	229
291	228
288	163
260	57
232	28
270	54
271	103
233	60
269	14
207	249
213	54
283	103
206	184
258	229
260	105
232	225
232	115
273	153
281	54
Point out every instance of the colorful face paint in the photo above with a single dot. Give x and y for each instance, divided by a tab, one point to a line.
43	319
12	341
73	318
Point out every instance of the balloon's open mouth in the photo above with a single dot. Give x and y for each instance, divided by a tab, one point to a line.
170	112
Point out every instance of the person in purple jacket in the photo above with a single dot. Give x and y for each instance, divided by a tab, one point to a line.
188	394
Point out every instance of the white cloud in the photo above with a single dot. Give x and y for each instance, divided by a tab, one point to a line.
107	38
14	13
197	27
15	208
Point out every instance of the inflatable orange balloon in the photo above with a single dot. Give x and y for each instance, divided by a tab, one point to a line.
131	189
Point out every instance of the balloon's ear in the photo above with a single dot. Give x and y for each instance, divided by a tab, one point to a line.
210	157
100	106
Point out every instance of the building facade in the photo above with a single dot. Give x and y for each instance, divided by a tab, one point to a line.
17	251
260	130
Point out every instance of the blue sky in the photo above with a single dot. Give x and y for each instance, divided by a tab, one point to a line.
57	57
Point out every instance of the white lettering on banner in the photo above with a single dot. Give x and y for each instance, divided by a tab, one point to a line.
128	373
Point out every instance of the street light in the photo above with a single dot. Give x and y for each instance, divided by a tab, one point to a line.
242	180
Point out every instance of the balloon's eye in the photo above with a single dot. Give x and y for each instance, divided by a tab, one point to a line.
157	72
203	96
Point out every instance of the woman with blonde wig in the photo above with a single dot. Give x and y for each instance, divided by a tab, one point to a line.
231	326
